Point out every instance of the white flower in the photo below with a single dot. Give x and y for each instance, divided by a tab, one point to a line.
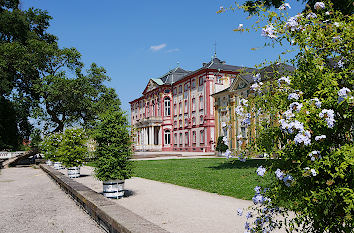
244	102
279	174
239	110
313	171
257	77
257	189
311	16
319	5
256	86
228	153
317	102
239	136
314	154
327	13
224	139
246	121
258	198
293	96
284	79
221	8
340	64
268	31
261	171
336	24
328	114
344	92
284	6
317	138
288	180
303	137
293	23
240	26
239	212
295	106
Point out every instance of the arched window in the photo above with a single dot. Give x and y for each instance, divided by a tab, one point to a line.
167	137
167	106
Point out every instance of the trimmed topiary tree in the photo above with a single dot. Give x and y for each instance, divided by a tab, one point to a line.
221	146
114	146
72	149
50	146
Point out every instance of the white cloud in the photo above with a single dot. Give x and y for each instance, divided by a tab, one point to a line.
157	47
172	50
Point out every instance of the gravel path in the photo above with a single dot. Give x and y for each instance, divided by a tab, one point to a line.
176	208
31	202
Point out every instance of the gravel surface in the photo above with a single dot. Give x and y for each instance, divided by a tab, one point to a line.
31	202
176	208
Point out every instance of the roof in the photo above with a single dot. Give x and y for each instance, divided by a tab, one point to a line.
217	64
174	75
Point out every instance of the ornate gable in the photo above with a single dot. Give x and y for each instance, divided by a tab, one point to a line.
150	86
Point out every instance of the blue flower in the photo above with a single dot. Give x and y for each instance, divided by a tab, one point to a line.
261	171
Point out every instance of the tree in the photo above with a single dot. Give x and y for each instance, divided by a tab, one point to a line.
252	6
23	46
114	146
67	96
312	168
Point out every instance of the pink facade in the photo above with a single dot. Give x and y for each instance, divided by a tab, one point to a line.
175	112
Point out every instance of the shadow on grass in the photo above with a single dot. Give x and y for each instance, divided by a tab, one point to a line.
236	164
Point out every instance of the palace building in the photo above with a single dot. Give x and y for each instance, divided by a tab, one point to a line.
176	111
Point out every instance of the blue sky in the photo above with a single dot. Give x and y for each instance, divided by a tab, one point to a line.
138	40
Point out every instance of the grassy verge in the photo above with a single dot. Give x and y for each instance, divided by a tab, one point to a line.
232	178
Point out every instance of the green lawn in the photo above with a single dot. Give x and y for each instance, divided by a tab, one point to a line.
231	178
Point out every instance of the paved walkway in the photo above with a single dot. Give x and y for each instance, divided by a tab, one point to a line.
175	208
31	202
172	155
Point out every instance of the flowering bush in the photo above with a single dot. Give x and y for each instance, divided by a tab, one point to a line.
72	149
310	134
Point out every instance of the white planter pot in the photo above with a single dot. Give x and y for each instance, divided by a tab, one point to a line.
113	188
221	153
49	163
74	172
58	165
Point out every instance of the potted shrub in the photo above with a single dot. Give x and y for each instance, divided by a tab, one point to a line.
221	147
113	152
50	146
72	150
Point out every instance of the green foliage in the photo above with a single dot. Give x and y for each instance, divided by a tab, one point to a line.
50	146
221	147
113	149
312	133
72	148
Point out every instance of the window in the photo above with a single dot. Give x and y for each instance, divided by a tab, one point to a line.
193	120
167	137
167	106
202	136
186	86
201	102
180	139
186	121
153	108
180	108
193	83
180	89
158	107
201	120
193	104
175	139
218	80
175	124
175	109
175	91
200	81
180	123
194	136
186	138
185	106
